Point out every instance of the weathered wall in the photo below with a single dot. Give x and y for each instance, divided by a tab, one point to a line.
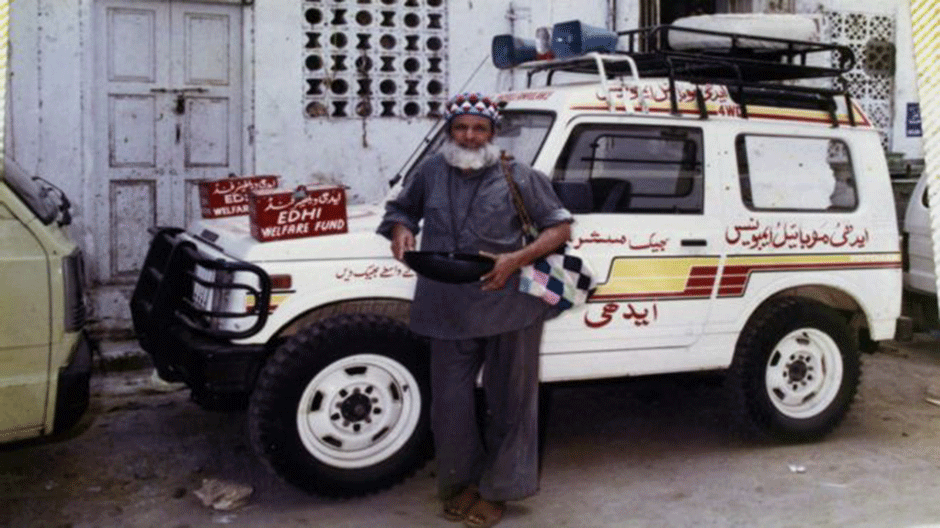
46	99
366	153
905	82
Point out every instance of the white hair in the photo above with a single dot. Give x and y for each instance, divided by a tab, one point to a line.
472	159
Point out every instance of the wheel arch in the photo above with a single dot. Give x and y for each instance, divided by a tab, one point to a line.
311	294
393	307
837	298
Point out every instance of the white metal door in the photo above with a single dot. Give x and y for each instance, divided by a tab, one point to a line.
168	113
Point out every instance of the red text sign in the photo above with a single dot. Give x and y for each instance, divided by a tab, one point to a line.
229	197
305	212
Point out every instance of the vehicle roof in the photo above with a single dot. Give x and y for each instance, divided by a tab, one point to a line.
697	72
652	96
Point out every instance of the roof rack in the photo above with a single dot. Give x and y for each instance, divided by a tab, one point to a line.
753	67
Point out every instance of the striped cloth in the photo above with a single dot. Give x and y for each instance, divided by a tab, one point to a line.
925	25
4	53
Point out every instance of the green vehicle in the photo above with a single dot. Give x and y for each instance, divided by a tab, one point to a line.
45	355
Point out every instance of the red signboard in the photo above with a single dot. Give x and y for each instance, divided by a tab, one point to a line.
229	196
304	212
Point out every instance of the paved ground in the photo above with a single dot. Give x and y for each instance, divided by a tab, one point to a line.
649	452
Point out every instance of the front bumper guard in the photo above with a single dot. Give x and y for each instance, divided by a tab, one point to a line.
165	289
183	338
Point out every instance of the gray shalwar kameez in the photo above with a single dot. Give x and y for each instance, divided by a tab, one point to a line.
469	327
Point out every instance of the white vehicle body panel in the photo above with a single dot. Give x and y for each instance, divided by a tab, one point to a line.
921	276
638	322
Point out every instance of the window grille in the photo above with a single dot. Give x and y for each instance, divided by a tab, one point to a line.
871	82
375	58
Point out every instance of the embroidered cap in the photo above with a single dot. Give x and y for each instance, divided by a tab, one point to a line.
469	103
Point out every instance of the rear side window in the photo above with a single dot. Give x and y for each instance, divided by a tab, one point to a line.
636	169
795	173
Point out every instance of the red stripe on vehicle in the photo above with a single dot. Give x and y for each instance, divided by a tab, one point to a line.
734	281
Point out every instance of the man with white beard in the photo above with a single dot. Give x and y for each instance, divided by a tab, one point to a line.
462	195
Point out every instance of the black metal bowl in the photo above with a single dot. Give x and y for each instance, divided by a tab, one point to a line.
453	268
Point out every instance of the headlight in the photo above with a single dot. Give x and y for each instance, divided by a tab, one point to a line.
73	273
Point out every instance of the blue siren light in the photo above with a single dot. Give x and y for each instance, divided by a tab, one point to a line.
570	39
509	51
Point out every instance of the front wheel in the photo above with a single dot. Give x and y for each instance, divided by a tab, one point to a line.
342	407
795	371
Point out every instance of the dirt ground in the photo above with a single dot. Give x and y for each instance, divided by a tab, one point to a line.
649	452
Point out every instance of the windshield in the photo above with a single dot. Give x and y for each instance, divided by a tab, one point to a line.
519	133
38	197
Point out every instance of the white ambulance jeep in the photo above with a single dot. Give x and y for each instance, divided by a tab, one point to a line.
738	222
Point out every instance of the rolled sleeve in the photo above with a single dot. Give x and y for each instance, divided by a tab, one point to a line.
542	204
393	217
558	216
406	208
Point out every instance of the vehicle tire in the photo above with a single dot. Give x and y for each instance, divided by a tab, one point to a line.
342	408
795	371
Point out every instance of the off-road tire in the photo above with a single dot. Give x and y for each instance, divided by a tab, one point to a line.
342	407
795	372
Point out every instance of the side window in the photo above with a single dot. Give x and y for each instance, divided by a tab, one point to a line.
795	173
636	169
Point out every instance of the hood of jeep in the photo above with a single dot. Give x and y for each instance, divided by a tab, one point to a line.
232	236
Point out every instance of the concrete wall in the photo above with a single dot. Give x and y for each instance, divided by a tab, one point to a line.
366	153
905	80
47	55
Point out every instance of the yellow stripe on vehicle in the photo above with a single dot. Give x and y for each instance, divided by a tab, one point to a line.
633	278
276	300
664	278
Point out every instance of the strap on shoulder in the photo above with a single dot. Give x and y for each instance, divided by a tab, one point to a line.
528	228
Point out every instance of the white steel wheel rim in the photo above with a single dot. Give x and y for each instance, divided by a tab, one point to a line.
804	373
358	411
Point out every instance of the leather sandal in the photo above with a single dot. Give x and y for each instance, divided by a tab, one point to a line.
484	514
457	507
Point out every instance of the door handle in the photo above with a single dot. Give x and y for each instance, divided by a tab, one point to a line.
179	106
693	242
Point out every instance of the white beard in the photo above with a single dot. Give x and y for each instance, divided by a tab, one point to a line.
470	159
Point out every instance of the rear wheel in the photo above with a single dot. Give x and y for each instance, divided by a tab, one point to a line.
795	372
342	407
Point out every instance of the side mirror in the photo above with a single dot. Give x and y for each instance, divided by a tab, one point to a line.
576	196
